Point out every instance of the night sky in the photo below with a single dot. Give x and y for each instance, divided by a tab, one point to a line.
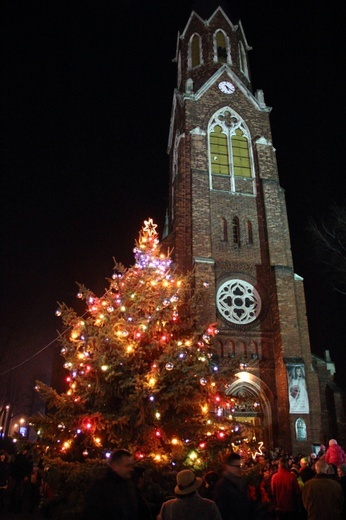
87	93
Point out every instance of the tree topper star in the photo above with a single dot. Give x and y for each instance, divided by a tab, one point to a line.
150	227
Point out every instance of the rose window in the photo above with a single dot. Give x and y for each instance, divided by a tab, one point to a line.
238	301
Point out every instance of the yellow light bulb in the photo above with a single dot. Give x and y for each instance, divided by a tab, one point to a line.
204	408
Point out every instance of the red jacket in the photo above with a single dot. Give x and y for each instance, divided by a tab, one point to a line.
335	455
286	490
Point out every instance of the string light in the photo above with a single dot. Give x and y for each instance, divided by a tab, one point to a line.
137	321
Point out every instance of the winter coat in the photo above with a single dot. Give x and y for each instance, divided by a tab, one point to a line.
231	498
193	507
286	490
111	497
323	498
335	455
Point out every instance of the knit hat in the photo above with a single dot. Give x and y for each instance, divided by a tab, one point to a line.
332	441
187	482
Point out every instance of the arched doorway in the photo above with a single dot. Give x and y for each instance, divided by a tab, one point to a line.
253	398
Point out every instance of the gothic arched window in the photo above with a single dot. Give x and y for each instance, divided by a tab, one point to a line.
222	52
224	233
243	60
300	427
236	231
219	151
249	232
240	155
230	153
195	51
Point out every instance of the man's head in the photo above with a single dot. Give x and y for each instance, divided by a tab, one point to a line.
304	462
321	467
121	462
233	464
283	462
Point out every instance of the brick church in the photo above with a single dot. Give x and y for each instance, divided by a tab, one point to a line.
227	221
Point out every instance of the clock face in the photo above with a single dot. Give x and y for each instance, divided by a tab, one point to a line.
226	87
238	302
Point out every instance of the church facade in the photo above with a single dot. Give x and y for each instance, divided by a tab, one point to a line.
227	222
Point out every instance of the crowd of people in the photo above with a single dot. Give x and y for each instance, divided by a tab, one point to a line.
303	487
19	483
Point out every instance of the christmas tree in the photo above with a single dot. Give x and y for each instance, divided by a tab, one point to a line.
141	374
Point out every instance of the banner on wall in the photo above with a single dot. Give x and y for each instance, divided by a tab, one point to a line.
297	391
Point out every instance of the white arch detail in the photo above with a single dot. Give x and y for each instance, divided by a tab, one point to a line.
255	386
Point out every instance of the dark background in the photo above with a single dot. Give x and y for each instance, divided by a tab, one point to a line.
87	92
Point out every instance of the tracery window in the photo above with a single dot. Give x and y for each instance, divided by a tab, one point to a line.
230	152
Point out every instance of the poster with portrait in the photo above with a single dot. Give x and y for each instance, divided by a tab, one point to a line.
297	391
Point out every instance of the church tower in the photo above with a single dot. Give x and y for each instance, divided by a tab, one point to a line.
227	221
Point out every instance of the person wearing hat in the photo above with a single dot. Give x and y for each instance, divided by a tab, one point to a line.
305	471
335	455
188	502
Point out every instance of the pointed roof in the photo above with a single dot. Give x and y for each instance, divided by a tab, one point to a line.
205	8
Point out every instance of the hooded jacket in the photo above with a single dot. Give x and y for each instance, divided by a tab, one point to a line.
335	455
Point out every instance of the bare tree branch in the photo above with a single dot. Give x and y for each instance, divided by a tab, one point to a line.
329	242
